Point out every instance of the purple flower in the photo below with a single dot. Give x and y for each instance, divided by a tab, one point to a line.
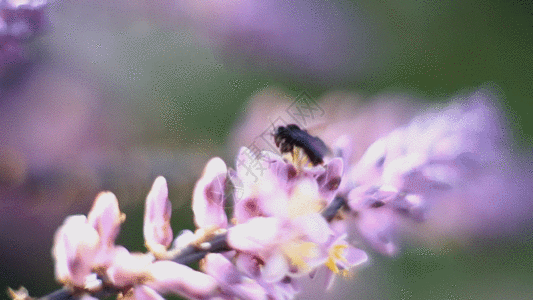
208	198
86	257
19	21
233	283
277	214
170	277
441	159
269	186
341	258
157	231
83	244
299	38
22	19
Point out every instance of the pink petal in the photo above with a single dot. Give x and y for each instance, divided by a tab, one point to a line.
255	235
287	288
412	206
250	168
208	198
75	247
354	256
275	268
128	268
106	218
184	239
315	227
170	277
250	290
231	280
157	230
369	168
221	269
330	180
248	264
394	172
342	147
329	279
377	228
247	208
357	197
273	198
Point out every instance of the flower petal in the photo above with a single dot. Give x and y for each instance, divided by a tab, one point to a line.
255	235
128	268
248	264
105	217
156	229
412	206
377	227
231	280
75	247
250	168
221	269
353	256
315	227
368	169
275	268
184	239
171	277
330	180
208	198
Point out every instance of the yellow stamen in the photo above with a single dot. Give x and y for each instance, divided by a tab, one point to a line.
336	253
298	252
332	265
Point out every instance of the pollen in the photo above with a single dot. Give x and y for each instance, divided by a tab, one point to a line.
336	253
299	252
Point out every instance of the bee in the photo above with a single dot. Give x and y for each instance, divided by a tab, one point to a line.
290	136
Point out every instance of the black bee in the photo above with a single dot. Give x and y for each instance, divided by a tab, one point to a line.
291	136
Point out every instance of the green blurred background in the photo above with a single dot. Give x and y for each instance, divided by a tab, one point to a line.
168	102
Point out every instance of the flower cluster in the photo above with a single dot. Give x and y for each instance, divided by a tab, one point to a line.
290	218
87	261
278	232
20	20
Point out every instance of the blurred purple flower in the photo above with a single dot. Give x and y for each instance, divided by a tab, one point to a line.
443	160
22	19
450	166
304	39
19	21
11	54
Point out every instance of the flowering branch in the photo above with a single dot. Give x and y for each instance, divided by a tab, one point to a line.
187	255
290	217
